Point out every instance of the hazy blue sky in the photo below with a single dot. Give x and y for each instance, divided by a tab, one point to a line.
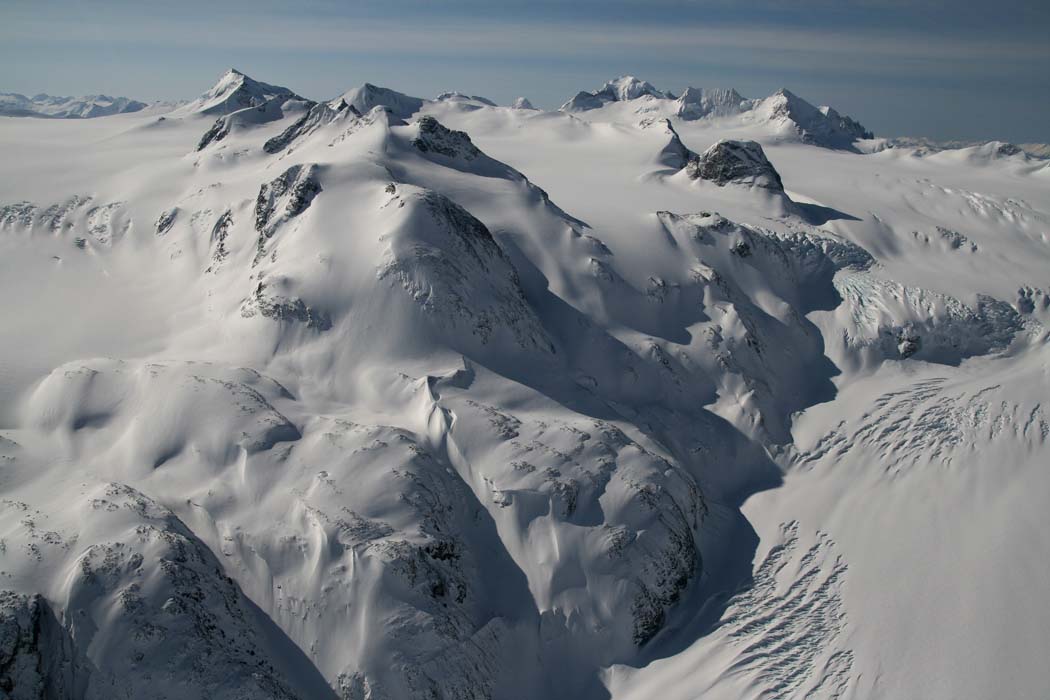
938	68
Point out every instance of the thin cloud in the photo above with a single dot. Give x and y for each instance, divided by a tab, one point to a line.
344	35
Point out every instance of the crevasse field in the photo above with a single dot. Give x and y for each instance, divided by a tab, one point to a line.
654	396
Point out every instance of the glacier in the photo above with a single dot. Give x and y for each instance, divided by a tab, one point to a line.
387	397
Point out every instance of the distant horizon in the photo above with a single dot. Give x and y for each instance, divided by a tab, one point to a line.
966	70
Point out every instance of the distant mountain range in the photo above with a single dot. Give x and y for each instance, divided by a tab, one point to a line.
13	104
790	115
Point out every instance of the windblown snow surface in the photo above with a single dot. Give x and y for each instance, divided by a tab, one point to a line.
386	398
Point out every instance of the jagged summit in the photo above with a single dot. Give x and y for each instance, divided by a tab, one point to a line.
364	98
789	116
628	87
622	89
697	103
737	162
235	91
821	126
521	103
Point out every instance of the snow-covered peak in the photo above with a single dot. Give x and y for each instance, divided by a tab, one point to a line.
455	96
521	103
785	103
622	89
821	126
628	87
434	137
697	103
235	91
364	98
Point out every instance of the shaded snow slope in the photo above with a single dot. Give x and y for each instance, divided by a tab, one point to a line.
741	162
383	398
368	96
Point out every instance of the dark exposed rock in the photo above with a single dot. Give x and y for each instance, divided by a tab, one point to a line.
956	240
217	132
36	656
908	342
219	233
436	138
166	220
669	572
283	198
280	308
299	183
739	162
318	116
19	215
269	111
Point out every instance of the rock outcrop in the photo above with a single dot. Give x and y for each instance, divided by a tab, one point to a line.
434	137
735	162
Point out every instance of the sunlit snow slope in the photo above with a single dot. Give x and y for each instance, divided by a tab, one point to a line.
652	396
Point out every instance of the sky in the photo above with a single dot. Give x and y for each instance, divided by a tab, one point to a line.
942	69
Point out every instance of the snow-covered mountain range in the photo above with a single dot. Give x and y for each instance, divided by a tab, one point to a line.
387	397
13	104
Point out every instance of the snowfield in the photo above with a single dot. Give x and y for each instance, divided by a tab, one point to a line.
689	396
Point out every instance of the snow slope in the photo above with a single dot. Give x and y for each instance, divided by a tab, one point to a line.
385	397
